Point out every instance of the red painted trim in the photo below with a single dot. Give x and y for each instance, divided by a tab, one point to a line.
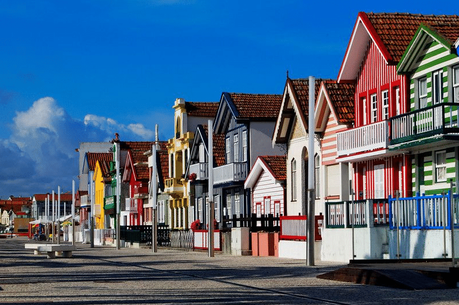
375	36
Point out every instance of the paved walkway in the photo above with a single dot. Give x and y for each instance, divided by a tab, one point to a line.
138	276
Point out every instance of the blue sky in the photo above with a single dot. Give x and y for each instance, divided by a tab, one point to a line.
77	71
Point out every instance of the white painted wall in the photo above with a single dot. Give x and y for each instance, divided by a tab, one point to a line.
297	249
369	243
266	186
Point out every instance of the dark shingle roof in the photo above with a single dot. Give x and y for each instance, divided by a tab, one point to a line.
342	98
252	106
397	29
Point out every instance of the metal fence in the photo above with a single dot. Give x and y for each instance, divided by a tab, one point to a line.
424	212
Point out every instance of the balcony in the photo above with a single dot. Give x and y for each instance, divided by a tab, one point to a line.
430	124
233	172
201	170
174	185
364	138
141	190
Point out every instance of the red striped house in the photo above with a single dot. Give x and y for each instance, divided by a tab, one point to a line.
370	63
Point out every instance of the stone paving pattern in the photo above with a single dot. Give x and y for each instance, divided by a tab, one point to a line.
104	275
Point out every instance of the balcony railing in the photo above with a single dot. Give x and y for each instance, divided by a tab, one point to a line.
232	172
364	138
200	169
423	123
173	182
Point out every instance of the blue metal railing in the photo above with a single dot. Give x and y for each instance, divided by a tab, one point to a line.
424	212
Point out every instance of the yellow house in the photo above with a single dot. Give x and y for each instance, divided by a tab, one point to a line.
188	115
101	172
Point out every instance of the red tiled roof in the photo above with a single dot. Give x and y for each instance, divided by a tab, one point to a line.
219	146
139	159
94	157
342	98
301	91
397	29
201	109
277	164
164	160
254	106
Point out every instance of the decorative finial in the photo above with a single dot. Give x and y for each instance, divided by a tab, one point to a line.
287	73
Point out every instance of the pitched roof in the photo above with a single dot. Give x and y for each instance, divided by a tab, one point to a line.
278	166
274	165
201	109
253	106
397	29
300	88
391	32
164	160
342	98
139	159
94	157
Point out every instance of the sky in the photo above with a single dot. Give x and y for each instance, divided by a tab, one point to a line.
79	71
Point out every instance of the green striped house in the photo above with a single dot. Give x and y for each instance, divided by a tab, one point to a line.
430	131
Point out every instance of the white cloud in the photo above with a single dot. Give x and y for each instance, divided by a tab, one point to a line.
40	152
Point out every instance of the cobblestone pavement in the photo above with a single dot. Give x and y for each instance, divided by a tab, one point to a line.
104	275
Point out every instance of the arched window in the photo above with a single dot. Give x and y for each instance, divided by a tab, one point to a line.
177	128
293	179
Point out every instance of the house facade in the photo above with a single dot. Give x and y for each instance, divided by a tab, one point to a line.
267	182
187	116
247	122
101	179
197	172
429	130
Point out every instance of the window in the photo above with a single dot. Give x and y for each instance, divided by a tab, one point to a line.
236	147
456	84
437	87
379	181
317	175
228	150
244	145
267	205
217	207
364	111
228	206
385	104
237	203
398	106
422	91
440	166
277	210
293	169
374	108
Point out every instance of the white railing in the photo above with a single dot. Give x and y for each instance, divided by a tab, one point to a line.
293	227
364	138
200	169
232	172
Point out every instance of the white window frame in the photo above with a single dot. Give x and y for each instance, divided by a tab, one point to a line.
398	105
293	178
374	108
379	181
228	206
437	87
237	204
385	104
364	106
267	205
456	84
422	92
440	166
244	145
236	147
228	150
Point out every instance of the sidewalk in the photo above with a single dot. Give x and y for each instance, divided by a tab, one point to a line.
104	275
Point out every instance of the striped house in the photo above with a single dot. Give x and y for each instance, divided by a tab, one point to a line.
430	130
377	44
